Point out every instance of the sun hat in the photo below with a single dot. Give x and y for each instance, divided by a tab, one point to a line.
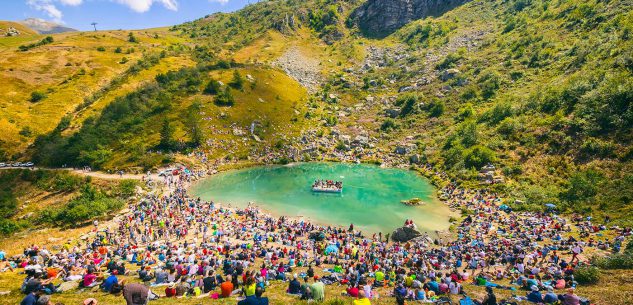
90	301
534	288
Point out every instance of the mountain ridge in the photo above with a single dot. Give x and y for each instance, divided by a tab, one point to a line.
45	27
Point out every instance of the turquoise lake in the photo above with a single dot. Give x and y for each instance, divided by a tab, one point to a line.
370	199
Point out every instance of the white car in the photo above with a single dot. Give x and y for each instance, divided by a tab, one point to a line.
28	164
3	165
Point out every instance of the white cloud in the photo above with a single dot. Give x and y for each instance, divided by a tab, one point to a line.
71	2
142	6
223	2
48	7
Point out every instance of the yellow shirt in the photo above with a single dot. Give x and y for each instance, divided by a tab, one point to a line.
363	301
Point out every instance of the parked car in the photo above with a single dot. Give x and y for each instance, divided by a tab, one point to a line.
29	164
3	165
166	172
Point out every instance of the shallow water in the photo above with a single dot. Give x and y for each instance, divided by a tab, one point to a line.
370	199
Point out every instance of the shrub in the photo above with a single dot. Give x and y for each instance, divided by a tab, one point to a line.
497	113
615	261
478	156
37	96
212	88
449	61
132	38
225	98
89	204
127	188
407	102
47	40
587	274
388	125
436	109
101	49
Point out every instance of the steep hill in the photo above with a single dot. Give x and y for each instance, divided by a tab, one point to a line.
540	88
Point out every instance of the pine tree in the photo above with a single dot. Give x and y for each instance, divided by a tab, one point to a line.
166	135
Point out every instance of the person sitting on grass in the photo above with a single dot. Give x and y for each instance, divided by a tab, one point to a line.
256	299
489	299
362	299
226	287
569	298
550	297
294	287
32	297
306	290
535	296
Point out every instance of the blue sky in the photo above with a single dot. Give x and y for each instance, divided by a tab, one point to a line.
116	14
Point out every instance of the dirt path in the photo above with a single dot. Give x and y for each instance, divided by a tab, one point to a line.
102	175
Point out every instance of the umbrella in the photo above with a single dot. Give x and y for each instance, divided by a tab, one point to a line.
550	205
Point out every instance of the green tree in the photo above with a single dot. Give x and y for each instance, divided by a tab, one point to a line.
166	135
238	80
193	124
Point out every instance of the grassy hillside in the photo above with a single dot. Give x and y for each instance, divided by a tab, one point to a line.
540	88
49	81
34	199
23	29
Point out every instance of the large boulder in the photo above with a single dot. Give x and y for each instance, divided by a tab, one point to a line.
405	234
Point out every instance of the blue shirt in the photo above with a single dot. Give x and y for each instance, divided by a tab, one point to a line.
109	282
550	298
29	299
535	297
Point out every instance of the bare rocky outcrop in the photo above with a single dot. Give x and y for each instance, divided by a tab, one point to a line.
382	17
405	234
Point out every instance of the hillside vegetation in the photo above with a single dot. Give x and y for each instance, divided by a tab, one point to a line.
540	88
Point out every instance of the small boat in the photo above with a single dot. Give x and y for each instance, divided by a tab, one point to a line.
323	186
318	189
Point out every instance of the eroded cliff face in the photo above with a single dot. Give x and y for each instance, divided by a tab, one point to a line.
380	18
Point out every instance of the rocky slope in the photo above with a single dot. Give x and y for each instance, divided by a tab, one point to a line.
380	18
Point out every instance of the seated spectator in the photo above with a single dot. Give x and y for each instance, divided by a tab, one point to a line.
535	296
362	299
256	299
294	287
226	287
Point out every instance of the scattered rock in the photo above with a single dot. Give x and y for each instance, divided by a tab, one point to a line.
301	68
449	74
405	234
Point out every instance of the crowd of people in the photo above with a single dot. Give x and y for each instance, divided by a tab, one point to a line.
327	185
173	245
